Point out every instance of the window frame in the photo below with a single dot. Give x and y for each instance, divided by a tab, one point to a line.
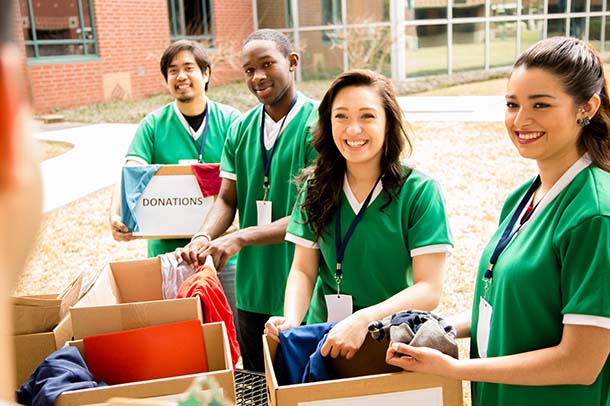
177	25
330	16
85	42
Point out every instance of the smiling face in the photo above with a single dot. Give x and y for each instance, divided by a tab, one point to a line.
185	81
269	73
358	121
541	117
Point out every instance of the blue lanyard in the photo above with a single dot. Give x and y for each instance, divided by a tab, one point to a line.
508	233
204	133
341	245
267	160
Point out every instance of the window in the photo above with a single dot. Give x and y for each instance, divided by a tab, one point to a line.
58	29
289	18
331	15
276	14
192	19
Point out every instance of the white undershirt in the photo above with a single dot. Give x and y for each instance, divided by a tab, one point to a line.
272	128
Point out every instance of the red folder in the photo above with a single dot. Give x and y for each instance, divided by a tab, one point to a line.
147	353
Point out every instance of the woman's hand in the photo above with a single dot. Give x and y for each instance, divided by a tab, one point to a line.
275	324
346	338
419	359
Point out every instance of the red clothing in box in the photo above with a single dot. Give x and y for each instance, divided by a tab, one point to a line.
205	284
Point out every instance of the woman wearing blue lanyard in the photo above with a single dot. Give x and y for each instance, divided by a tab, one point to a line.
540	323
371	227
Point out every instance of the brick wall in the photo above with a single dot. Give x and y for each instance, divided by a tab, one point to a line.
233	22
19	31
131	37
272	14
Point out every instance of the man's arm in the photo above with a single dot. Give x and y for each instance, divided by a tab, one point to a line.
216	223
223	212
210	241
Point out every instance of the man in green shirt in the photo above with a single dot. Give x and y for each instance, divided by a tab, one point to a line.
190	129
173	133
263	153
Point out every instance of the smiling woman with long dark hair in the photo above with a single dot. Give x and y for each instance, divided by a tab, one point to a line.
371	227
540	322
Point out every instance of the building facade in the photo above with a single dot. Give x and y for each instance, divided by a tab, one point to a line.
80	52
410	38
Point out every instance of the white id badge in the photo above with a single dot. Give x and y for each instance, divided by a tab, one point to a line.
339	307
483	325
263	212
188	162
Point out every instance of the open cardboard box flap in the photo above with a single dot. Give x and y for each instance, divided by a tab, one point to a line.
126	282
42	313
95	320
36	301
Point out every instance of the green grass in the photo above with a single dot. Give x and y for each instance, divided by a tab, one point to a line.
426	60
51	149
476	83
237	94
132	111
123	111
234	94
494	87
430	56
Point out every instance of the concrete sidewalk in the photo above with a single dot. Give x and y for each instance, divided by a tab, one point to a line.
453	108
94	162
99	150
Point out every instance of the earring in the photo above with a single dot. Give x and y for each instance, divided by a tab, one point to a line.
583	122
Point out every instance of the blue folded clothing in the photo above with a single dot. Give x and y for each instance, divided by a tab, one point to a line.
63	370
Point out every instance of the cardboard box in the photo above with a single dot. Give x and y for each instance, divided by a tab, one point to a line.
128	295
125	295
94	320
219	363
359	389
171	204
125	282
42	313
38	329
32	349
35	314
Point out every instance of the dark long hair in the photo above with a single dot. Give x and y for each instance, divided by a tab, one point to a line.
325	177
579	67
